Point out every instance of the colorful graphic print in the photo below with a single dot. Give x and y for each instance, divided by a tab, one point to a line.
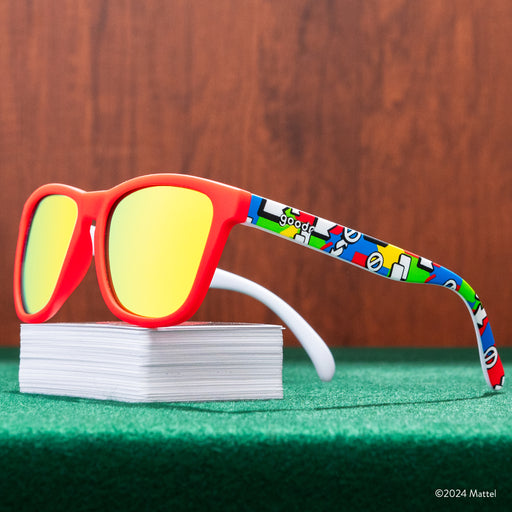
378	257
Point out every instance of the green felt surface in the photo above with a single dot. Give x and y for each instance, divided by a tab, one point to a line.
393	426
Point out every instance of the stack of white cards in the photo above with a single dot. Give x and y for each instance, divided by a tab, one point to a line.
188	362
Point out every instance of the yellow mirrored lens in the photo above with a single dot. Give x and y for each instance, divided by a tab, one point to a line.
156	239
48	240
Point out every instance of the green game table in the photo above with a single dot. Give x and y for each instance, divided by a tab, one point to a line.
393	426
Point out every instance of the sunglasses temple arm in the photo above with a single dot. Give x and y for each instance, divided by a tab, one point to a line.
315	347
379	258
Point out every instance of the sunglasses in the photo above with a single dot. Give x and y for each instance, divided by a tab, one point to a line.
158	240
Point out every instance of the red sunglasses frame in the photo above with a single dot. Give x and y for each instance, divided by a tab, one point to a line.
230	207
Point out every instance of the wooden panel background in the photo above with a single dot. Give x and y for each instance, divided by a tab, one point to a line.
393	117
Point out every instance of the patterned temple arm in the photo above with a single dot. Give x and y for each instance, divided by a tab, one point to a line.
380	258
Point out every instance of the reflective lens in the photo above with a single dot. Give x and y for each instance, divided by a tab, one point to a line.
156	239
48	240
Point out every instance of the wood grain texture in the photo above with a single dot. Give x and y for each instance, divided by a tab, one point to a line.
391	117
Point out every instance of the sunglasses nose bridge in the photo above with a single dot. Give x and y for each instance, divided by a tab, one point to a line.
90	208
91	205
